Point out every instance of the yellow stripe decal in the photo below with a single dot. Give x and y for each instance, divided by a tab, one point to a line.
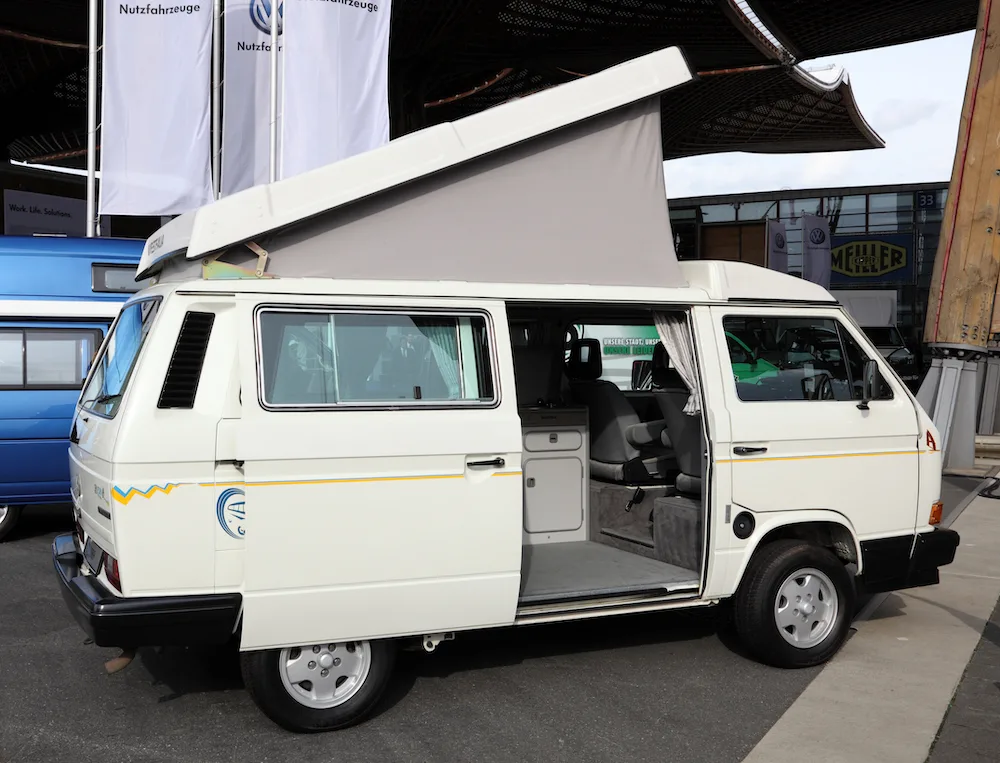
816	457
127	495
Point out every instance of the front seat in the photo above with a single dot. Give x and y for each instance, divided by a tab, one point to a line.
623	449
685	431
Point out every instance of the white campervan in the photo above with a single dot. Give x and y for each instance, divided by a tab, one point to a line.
344	417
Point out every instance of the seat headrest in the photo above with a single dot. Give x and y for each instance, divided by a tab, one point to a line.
665	377
584	362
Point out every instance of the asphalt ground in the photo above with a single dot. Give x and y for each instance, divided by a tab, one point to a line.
658	687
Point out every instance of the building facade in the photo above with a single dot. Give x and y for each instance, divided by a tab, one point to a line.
907	218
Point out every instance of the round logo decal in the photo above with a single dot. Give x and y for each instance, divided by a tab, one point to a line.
779	240
260	15
231	512
817	236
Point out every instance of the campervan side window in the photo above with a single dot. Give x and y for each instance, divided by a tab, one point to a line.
111	373
46	358
374	360
795	358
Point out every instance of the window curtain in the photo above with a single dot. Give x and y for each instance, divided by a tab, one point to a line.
676	338
444	346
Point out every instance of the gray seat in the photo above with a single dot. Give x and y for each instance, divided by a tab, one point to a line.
685	432
623	449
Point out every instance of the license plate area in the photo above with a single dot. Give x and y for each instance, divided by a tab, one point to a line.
93	556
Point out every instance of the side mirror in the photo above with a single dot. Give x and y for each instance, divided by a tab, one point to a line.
871	384
642	374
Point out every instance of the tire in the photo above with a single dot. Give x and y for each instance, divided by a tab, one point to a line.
272	689
9	520
766	616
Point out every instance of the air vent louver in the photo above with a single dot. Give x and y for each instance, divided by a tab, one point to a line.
181	384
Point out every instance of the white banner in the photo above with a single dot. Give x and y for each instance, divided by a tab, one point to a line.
26	213
816	250
336	81
777	246
246	93
155	114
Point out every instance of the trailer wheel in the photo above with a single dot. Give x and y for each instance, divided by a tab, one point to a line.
795	604
8	519
321	687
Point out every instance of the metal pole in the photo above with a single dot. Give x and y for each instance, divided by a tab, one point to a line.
92	119
217	100
274	91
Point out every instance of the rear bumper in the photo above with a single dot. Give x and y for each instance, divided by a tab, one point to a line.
908	561
132	622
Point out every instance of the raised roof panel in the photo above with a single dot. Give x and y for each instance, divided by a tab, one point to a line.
563	186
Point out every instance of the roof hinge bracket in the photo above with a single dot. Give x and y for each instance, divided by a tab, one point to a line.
212	269
261	253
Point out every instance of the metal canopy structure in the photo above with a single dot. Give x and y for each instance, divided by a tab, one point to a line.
453	58
809	29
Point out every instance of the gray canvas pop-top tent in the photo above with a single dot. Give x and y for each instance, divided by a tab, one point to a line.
564	186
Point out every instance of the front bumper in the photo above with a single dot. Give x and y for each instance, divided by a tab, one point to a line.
130	622
908	561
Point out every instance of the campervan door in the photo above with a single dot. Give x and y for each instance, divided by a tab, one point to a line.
58	296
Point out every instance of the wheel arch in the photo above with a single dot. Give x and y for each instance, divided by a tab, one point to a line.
825	528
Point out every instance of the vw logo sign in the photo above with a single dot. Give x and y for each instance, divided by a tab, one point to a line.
231	512
779	241
260	15
817	236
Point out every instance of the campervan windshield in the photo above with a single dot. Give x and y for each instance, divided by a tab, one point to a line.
109	378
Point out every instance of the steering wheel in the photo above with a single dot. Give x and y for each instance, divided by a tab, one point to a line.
824	388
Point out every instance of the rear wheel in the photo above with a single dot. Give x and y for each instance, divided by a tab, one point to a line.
795	604
320	687
8	519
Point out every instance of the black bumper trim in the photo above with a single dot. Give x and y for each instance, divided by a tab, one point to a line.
204	619
907	561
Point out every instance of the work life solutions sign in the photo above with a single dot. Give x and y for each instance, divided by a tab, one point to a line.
155	111
333	85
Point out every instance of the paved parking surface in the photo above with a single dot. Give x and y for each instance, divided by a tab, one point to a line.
651	688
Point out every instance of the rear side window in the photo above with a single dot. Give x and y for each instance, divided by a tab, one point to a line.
112	371
795	358
384	359
46	358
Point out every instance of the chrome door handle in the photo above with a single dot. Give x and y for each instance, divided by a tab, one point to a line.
743	451
497	462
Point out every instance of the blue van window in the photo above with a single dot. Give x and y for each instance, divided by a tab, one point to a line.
11	359
46	358
112	371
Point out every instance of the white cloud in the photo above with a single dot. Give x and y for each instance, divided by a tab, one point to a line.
912	97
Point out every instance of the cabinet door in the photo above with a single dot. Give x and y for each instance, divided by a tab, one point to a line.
553	494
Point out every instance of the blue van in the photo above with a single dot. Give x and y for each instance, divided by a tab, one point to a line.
58	296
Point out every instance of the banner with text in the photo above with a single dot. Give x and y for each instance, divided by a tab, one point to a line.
246	94
155	112
816	250
26	213
336	81
777	246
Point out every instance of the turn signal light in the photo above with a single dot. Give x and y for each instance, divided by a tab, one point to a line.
111	570
936	511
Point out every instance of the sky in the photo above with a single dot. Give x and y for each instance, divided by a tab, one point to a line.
911	95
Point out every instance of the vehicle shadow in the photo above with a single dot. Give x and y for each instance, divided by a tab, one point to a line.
196	670
38	521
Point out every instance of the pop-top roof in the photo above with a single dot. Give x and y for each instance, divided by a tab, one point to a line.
563	186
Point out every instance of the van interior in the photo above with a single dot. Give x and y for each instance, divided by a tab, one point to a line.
614	499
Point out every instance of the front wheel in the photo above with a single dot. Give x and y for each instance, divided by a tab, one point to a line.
795	604
8	519
320	687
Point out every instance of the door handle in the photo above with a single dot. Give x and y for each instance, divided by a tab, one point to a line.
740	450
497	462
